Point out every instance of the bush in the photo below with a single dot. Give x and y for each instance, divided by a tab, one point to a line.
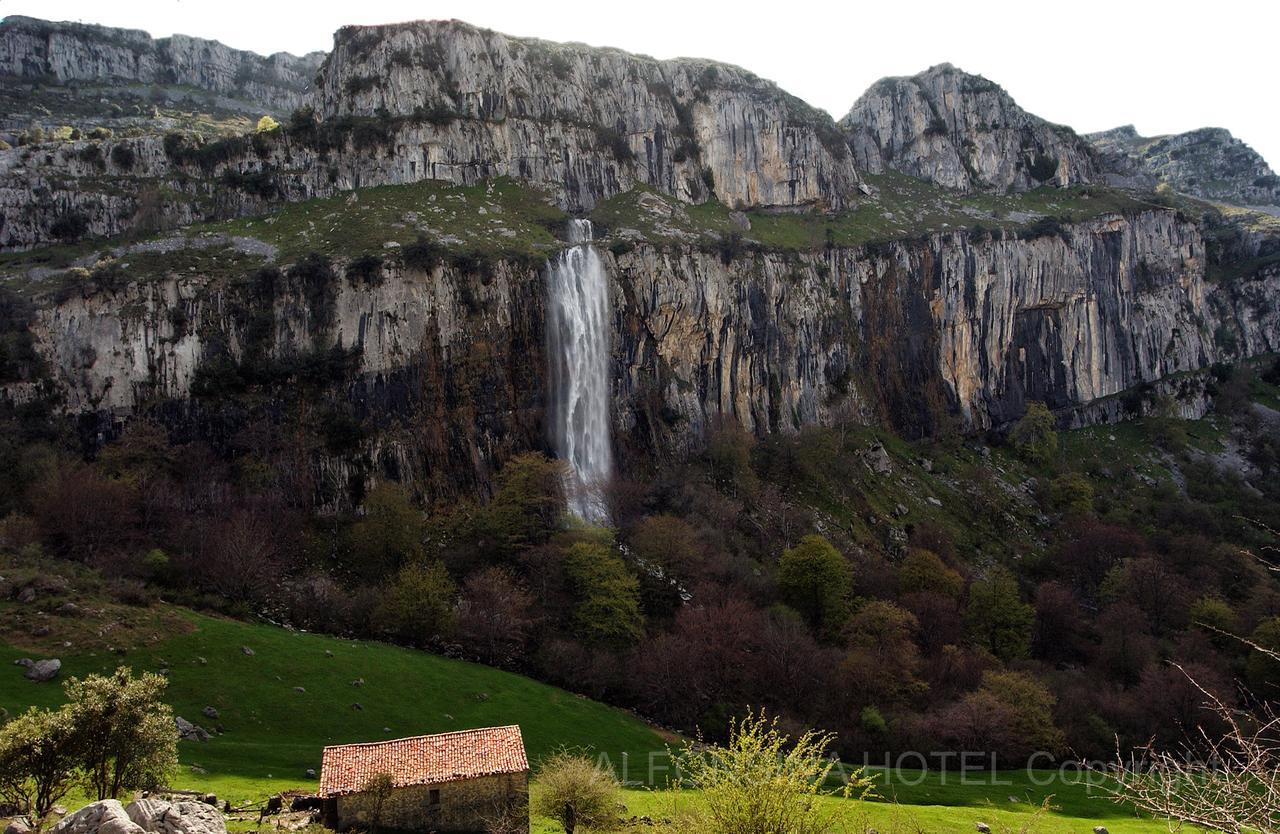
575	791
762	781
1043	168
366	269
423	254
123	157
266	123
38	761
417	605
70	227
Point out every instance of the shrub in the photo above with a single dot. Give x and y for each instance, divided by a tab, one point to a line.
1071	492
266	123
125	731
423	254
762	781
417	605
70	227
38	761
123	157
366	269
575	791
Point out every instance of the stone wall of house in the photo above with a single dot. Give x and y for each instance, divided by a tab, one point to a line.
467	805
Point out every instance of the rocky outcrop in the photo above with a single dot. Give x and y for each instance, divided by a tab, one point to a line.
65	53
962	131
1208	163
157	816
105	817
590	122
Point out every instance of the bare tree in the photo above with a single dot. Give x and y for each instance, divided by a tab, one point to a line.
1228	782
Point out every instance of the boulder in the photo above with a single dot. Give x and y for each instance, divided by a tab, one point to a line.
1099	829
189	731
982	827
67	609
248	652
877	459
43	670
18	825
105	817
210	713
157	816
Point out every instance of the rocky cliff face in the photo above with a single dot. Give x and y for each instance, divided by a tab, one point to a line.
73	52
1208	163
962	131
588	122
450	364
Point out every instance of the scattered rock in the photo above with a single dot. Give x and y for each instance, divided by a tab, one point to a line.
739	221
983	828
157	816
25	662
358	682
357	706
900	510
43	670
248	652
68	609
210	713
328	653
311	773
105	817
27	595
1099	829
189	731
300	690
926	464
41	631
934	501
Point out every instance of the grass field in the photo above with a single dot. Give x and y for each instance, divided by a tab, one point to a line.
272	733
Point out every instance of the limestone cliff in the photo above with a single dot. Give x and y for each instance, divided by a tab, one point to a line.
592	122
69	53
962	131
449	363
1208	163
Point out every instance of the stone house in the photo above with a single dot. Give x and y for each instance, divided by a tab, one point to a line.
454	782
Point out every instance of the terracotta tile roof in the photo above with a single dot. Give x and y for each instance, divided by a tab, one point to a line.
423	760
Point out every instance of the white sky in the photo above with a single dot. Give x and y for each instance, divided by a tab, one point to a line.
1164	66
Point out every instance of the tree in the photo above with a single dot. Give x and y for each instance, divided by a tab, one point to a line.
1030	707
923	570
998	619
606	609
762	781
1262	669
125	732
1071	492
1035	436
815	579
573	790
266	123
377	788
39	762
494	615
389	534
417	605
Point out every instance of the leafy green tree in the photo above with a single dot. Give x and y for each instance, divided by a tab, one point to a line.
1071	492
1217	619
763	781
529	502
417	605
267	123
39	760
606	594
816	580
997	618
1030	706
1035	436
389	534
923	570
575	791
125	732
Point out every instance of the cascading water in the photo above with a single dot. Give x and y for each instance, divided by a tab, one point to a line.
578	347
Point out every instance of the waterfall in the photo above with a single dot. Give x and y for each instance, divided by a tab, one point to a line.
578	351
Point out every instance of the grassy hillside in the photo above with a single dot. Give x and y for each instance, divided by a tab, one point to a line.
273	733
